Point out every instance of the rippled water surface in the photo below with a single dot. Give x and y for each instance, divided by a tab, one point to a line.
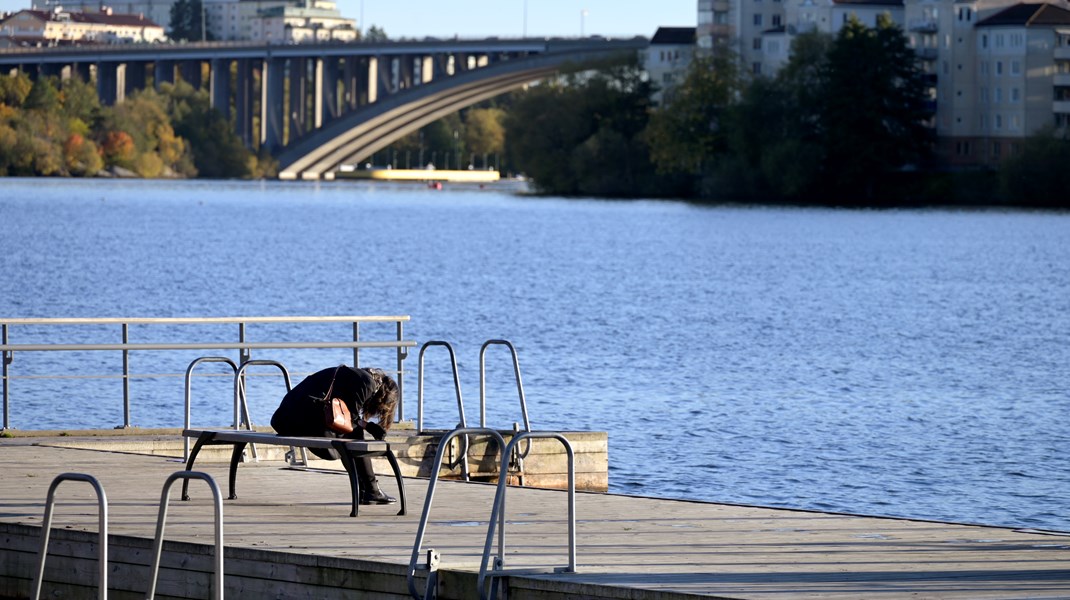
908	363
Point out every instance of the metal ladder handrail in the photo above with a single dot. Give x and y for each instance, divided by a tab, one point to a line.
498	512
432	563
189	381
102	527
462	459
519	388
241	402
162	519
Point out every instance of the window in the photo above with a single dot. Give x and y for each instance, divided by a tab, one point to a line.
995	149
997	95
997	123
999	67
1016	95
983	95
984	40
757	44
1017	40
1016	67
776	20
1016	123
758	20
983	65
997	40
756	68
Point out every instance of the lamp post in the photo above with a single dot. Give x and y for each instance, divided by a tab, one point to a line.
583	17
362	20
525	18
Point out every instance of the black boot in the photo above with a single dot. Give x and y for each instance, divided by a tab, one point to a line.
371	494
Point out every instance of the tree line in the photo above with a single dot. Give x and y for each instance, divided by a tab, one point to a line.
59	127
847	121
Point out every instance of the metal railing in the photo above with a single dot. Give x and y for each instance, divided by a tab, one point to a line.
102	532
242	345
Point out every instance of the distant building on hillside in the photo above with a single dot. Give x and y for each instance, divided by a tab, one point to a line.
60	27
269	21
668	57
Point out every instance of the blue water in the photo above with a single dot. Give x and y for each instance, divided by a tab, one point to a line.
906	363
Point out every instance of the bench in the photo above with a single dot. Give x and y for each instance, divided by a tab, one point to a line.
348	450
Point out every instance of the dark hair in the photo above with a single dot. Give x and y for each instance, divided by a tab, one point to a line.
383	401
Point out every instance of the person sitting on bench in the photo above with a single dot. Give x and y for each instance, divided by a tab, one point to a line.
368	393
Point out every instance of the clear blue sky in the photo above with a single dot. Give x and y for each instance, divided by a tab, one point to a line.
505	18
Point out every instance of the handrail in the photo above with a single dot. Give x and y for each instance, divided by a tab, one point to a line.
519	387
242	345
436	465
462	458
189	381
240	400
498	512
217	495
102	531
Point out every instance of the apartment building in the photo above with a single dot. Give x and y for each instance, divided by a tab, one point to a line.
667	59
59	27
999	70
270	21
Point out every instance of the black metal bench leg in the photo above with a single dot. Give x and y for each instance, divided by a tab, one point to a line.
397	476
235	458
205	437
351	470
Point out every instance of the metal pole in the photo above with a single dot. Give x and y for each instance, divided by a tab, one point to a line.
126	377
401	376
6	360
356	338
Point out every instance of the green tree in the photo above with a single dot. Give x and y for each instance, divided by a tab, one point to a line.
583	134
1038	176
216	150
14	89
189	21
375	34
873	109
484	132
689	135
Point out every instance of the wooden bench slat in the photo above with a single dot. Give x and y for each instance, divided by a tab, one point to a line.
263	437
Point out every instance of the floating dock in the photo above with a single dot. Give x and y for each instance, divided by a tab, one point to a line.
288	535
460	176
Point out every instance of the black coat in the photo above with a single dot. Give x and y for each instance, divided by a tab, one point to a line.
301	411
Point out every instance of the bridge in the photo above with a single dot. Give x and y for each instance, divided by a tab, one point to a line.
317	106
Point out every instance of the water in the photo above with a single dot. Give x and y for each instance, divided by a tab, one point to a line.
903	363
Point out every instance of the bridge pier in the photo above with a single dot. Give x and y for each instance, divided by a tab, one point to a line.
298	98
163	71
190	71
271	103
243	101
136	77
219	85
108	83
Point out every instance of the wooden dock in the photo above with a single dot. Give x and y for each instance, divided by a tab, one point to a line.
288	535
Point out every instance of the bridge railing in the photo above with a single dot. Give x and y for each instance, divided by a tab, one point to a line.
274	334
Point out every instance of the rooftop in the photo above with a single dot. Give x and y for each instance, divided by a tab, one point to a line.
673	36
1027	15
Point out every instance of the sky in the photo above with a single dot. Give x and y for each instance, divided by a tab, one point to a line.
506	18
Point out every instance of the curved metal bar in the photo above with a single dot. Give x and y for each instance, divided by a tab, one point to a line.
241	402
217	592
498	510
420	382
189	380
102	526
418	544
519	387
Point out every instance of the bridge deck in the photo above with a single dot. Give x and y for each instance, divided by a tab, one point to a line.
651	548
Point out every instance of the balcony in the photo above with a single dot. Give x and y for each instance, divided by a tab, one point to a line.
1061	106
924	25
1062	53
927	54
721	6
1061	80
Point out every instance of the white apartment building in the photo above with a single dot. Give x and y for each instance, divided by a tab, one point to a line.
271	21
58	26
999	69
667	58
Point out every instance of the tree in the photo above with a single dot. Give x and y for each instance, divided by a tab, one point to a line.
14	89
216	150
484	131
873	109
376	34
189	21
1038	176
688	135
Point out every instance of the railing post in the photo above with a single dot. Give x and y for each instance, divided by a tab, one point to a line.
126	377
6	360
356	338
401	355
